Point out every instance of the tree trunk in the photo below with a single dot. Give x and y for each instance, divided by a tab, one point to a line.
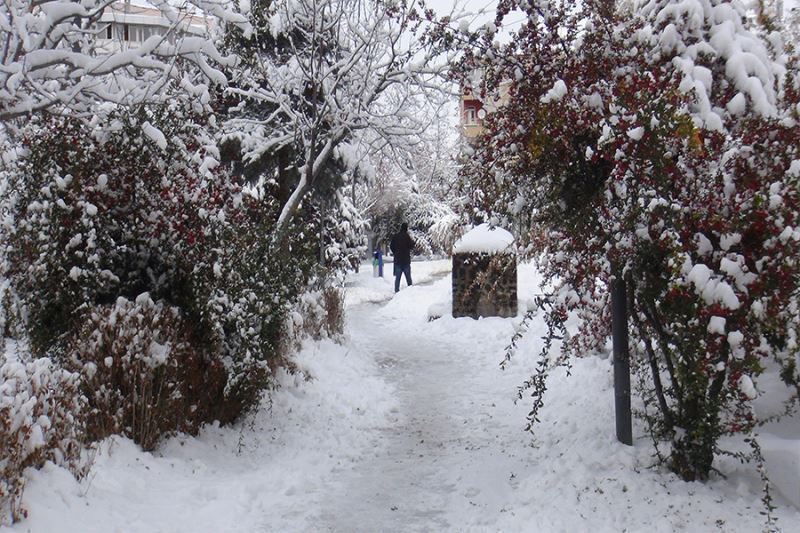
696	432
692	456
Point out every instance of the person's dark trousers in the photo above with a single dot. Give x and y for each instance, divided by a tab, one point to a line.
399	270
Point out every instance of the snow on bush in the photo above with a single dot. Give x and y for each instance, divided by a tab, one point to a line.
143	375
668	160
101	212
41	419
444	232
318	314
432	223
342	232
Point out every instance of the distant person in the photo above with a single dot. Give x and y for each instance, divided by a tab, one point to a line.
377	262
401	247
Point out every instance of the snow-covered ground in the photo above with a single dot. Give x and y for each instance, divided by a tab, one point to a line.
410	425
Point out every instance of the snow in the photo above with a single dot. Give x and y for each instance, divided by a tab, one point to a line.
636	133
794	169
721	292
714	290
142	300
484	239
716	324
737	105
410	425
158	353
368	289
155	135
748	65
699	275
735	338
729	239
556	93
747	387
704	246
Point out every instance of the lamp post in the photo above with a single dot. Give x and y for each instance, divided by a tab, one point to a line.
622	363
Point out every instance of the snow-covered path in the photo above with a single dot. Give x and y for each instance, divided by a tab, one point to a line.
436	457
452	455
410	426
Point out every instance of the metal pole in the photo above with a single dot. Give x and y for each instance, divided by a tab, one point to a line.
622	364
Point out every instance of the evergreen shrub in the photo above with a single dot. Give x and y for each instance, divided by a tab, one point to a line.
144	252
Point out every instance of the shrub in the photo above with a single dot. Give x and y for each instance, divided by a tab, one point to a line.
318	314
627	153
41	419
342	232
111	210
432	223
143	374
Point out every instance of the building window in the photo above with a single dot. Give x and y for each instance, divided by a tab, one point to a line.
470	116
131	35
140	33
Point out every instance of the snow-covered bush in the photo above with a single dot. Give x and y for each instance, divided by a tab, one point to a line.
96	212
792	30
432	223
112	209
318	314
143	374
444	232
41	419
662	146
343	234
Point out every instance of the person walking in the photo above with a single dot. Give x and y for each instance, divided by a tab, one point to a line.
401	247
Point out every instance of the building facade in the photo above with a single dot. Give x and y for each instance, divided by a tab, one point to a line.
126	25
473	111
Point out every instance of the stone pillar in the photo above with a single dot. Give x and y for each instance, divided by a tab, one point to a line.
484	284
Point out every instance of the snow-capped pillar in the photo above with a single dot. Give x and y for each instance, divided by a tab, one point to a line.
485	274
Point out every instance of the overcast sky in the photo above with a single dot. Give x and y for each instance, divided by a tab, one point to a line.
479	12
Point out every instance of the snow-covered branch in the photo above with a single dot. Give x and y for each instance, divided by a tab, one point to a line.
326	70
49	55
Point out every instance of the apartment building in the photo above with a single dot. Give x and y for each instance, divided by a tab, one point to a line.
127	24
471	114
473	111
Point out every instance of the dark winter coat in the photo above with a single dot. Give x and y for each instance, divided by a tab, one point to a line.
401	247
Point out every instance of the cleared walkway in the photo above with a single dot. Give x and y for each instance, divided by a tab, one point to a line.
432	465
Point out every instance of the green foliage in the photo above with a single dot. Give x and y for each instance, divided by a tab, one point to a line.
105	214
618	160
